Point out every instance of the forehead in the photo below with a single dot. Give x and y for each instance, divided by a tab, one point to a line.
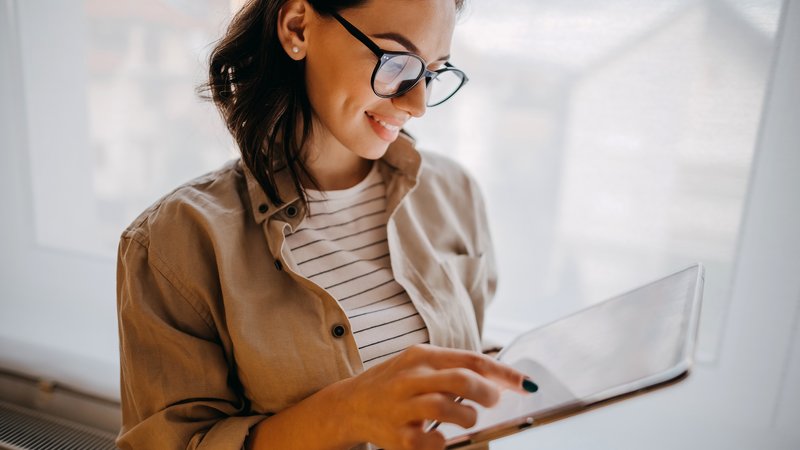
428	24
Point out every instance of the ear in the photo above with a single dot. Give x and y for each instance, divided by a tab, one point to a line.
293	19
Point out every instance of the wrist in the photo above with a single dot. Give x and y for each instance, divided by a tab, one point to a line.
341	420
326	411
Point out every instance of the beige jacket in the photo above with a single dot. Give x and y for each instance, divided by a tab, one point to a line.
217	328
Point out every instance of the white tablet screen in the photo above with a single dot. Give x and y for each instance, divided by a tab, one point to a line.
630	342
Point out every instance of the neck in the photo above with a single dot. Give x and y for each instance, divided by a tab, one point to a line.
333	166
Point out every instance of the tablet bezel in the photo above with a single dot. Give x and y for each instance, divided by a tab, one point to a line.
532	421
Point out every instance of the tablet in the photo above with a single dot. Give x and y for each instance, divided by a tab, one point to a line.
629	344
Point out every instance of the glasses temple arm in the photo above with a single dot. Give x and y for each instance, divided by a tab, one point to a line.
358	35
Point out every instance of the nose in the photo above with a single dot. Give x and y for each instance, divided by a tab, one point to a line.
413	101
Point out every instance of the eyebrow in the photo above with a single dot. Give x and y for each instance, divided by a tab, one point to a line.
405	42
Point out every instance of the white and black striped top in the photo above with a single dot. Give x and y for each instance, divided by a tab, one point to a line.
341	245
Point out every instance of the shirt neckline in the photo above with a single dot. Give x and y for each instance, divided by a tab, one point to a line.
371	178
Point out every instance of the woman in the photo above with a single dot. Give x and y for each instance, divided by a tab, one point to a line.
287	299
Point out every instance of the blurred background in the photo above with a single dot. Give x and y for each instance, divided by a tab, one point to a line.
614	141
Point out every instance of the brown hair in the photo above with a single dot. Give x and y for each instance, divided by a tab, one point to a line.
261	94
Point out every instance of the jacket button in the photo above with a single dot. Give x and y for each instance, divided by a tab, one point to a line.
291	211
262	208
337	331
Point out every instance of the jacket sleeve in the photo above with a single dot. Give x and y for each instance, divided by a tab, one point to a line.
177	386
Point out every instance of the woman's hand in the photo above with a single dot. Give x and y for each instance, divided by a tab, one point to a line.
388	404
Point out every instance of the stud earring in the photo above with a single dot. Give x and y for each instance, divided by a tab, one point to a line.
295	49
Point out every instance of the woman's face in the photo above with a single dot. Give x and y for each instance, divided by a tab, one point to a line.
339	68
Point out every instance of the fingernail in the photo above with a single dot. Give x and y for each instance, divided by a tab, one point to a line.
529	385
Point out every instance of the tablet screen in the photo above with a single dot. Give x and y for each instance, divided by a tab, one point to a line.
551	396
630	342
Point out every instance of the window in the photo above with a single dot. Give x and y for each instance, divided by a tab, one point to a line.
613	142
132	127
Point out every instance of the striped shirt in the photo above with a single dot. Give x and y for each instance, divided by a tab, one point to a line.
341	245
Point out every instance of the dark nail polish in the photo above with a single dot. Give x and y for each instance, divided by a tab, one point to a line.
529	385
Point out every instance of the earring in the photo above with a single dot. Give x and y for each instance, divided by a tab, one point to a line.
295	49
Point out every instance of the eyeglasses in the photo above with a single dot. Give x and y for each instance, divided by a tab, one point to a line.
398	72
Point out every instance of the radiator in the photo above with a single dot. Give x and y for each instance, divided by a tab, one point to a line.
23	428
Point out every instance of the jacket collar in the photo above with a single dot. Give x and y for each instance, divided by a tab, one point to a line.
401	157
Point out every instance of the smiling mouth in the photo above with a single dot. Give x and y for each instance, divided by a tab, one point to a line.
392	128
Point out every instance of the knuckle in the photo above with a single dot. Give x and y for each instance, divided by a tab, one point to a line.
479	363
415	352
410	439
470	415
436	407
419	440
465	374
493	396
462	383
465	379
419	348
435	440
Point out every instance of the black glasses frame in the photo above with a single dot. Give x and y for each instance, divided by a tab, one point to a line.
386	55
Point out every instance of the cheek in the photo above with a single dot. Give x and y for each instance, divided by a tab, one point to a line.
339	91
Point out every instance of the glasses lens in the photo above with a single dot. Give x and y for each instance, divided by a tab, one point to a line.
396	74
443	86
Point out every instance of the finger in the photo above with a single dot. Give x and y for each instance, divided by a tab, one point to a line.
440	407
414	438
459	382
445	358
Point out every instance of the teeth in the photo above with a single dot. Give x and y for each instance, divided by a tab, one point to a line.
384	124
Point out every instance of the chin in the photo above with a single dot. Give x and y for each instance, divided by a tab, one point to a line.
374	152
370	148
